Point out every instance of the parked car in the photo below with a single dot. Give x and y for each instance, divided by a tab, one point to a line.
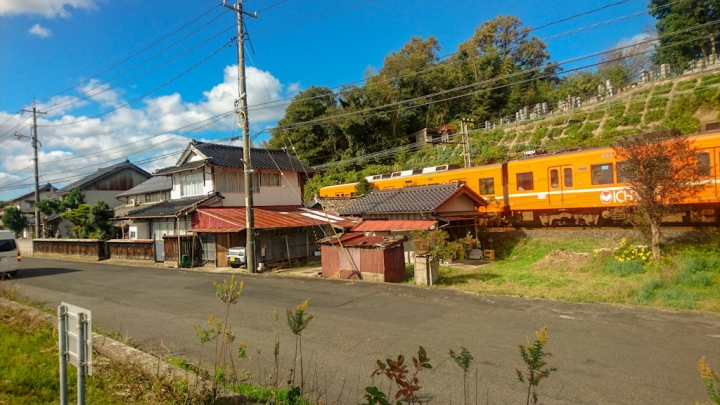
236	257
9	255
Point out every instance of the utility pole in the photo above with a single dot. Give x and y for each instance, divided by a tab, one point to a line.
242	112
34	140
466	140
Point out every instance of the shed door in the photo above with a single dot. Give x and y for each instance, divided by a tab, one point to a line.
222	244
561	185
159	250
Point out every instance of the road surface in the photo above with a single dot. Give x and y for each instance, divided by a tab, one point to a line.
604	354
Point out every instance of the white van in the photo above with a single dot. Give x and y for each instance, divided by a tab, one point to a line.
9	255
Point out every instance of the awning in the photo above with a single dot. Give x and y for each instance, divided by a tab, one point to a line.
232	219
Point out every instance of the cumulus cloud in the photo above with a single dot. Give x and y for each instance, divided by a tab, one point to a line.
103	141
40	31
47	8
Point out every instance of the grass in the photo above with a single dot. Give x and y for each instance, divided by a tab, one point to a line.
29	360
687	278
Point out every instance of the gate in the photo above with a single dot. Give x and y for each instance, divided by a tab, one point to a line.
159	250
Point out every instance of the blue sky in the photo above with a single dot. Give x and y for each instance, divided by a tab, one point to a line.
48	46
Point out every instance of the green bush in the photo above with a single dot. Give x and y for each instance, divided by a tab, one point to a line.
648	292
524	136
654	115
686	85
559	121
625	268
539	134
519	147
572	129
578	116
495	134
636	107
509	136
686	123
611	123
596	114
711	79
657	102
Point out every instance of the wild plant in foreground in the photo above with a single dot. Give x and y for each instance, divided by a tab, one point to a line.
276	356
463	360
534	358
397	372
229	293
710	378
297	321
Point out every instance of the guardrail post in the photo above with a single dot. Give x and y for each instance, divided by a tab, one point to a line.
62	329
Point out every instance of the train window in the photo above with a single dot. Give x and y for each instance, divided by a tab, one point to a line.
525	181
621	177
487	186
554	178
602	173
567	176
703	164
463	182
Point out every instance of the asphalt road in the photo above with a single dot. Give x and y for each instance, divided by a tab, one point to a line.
604	354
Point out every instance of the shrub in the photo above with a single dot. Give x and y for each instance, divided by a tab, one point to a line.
710	79
519	147
686	85
686	123
631	119
657	102
636	107
559	121
624	268
524	136
647	292
495	134
611	123
596	114
572	129
654	115
578	116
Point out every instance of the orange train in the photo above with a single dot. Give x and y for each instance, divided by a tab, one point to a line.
571	188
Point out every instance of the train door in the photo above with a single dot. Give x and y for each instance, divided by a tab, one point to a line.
561	185
708	170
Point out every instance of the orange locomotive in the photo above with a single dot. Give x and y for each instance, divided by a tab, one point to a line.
570	188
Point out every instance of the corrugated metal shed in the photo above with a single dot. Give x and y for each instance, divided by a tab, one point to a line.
232	219
371	258
358	239
393	225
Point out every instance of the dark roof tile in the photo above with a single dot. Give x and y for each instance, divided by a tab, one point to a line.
101	172
167	208
151	185
408	200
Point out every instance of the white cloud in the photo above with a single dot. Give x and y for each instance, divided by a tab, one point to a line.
40	31
47	8
95	137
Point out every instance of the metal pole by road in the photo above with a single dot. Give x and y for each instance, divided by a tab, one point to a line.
81	359
62	328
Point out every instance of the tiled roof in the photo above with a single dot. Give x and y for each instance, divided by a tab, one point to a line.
392	225
410	199
46	187
230	156
358	239
101	172
151	185
232	219
337	204
168	208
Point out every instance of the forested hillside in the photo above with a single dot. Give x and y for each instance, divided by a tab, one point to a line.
503	68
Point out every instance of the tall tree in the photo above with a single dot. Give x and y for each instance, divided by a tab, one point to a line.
73	200
662	171
47	208
673	16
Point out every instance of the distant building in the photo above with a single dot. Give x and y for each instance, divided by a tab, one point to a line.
26	204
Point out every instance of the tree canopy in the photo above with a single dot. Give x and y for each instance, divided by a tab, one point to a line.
674	16
14	220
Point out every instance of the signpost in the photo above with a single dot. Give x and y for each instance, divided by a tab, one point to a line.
75	333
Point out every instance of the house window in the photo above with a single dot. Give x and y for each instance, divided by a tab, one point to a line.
487	186
269	179
525	181
229	181
567	176
602	173
191	184
703	164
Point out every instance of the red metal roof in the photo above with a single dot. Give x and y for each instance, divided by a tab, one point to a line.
394	225
232	219
358	239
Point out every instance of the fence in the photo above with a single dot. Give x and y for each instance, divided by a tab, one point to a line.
90	248
186	242
132	249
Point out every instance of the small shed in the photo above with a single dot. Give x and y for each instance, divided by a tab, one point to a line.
357	256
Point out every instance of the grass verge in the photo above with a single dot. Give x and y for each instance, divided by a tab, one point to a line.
686	278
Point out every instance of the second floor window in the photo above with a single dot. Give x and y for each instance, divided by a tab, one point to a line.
191	184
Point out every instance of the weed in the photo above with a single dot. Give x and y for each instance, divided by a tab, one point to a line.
596	114
463	360
654	115
657	102
624	268
298	321
397	372
710	378
691	278
686	85
710	79
534	358
646	294
636	107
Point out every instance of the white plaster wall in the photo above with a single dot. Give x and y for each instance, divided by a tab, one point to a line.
142	230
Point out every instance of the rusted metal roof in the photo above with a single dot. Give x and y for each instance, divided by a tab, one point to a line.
358	239
232	219
392	225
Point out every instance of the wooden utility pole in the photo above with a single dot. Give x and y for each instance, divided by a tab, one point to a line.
242	112
466	140
34	140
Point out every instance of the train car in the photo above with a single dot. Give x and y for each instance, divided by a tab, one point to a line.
571	188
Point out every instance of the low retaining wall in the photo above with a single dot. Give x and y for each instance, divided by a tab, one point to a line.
131	249
88	248
25	246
